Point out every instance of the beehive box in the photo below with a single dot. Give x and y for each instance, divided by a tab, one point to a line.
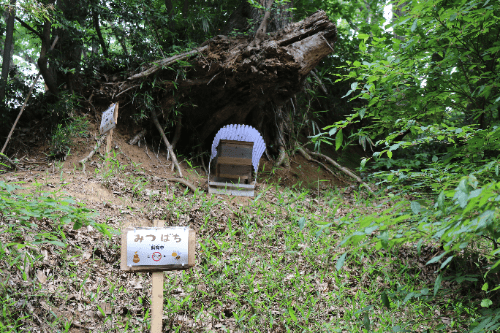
234	160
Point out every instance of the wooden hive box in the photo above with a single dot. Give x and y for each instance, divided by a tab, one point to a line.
234	160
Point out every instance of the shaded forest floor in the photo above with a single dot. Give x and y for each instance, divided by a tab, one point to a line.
262	264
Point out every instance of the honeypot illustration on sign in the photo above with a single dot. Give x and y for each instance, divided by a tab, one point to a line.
136	258
176	255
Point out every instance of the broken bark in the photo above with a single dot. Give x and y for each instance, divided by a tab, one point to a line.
225	83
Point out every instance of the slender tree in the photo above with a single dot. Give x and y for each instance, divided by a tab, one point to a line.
8	46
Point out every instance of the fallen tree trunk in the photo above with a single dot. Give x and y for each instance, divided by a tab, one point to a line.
234	79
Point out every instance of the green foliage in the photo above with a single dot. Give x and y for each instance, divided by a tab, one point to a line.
431	102
22	211
62	137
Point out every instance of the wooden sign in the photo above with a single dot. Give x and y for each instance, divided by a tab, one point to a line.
108	121
157	249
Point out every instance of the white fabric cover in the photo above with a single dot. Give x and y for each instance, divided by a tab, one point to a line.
241	133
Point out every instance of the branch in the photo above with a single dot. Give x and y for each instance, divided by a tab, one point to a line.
24	24
169	146
89	156
183	181
165	62
137	137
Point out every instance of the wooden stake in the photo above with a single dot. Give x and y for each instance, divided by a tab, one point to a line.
157	294
110	134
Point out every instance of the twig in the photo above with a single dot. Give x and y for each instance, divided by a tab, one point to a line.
169	147
126	90
89	156
26	101
213	78
146	146
183	181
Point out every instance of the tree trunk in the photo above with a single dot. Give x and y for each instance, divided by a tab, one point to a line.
48	75
95	18
8	47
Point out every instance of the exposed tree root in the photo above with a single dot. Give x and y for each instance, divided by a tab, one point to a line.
137	137
169	147
343	169
183	181
303	153
89	156
8	161
283	159
309	158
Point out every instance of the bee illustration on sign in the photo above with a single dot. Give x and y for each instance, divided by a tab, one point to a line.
176	255
136	258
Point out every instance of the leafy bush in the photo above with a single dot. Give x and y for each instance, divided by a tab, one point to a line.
62	137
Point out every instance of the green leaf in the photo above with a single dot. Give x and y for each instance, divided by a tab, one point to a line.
385	300
440	200
485	287
333	131
366	321
414	25
446	262
437	284
57	243
340	262
436	259
362	112
338	139
77	225
363	36
486	303
302	223
462	199
292	314
415	207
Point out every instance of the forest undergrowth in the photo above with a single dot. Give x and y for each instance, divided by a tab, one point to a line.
269	263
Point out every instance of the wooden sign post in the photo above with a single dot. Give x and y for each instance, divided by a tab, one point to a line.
156	250
108	123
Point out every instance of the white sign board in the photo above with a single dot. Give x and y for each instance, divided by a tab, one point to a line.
158	246
108	120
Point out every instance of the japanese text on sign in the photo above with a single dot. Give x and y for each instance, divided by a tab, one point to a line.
158	246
